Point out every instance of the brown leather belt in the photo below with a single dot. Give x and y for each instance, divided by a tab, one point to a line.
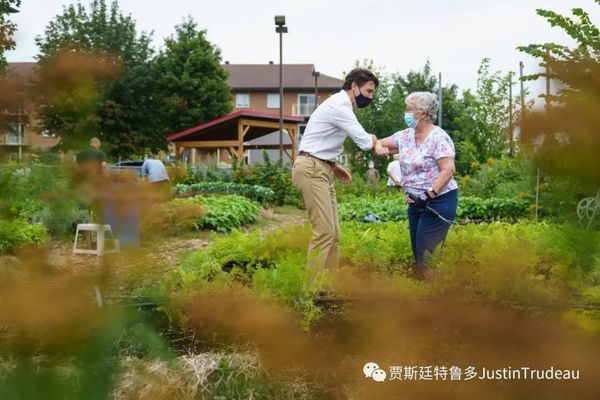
305	154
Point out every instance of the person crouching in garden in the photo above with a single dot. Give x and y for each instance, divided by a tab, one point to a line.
426	155
158	178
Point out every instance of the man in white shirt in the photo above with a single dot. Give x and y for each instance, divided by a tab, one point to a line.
315	168
394	173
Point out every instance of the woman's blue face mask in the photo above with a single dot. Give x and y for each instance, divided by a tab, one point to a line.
409	119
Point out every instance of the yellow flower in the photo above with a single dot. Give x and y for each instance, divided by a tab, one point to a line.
524	195
491	161
465	180
475	165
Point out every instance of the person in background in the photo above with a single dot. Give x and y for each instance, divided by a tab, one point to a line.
91	177
157	176
372	174
315	168
427	168
394	175
93	161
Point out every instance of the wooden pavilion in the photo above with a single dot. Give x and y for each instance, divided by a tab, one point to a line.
231	132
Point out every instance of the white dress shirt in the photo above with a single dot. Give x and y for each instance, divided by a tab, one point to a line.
330	124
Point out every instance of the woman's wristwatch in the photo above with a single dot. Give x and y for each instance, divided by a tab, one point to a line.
432	190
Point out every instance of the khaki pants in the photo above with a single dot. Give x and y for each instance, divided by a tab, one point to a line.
315	181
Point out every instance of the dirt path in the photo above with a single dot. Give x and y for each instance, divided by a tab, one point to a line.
145	266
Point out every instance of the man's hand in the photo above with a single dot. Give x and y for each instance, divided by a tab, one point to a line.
379	150
342	174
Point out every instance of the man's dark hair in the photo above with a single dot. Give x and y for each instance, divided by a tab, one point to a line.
360	76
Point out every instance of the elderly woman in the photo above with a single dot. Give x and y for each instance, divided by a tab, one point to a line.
427	168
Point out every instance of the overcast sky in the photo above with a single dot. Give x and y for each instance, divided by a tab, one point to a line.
399	35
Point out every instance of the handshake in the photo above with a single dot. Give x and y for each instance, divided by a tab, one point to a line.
379	150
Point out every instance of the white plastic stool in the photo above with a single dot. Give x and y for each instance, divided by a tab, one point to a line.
100	239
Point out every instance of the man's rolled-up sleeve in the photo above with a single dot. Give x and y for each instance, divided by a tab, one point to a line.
346	120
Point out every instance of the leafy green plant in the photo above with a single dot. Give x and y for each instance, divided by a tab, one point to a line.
388	208
61	217
212	173
391	207
24	189
254	192
359	187
173	218
16	234
504	177
474	208
223	213
267	174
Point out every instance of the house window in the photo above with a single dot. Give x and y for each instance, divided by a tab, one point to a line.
273	100
14	133
242	101
306	104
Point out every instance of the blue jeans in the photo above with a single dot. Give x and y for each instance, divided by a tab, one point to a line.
427	230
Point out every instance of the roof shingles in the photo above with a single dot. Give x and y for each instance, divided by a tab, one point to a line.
266	77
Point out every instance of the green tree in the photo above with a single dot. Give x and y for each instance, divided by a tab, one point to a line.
484	124
426	81
568	128
7	28
192	84
103	30
95	79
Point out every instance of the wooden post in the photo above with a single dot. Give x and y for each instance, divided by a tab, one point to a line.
241	133
292	132
245	130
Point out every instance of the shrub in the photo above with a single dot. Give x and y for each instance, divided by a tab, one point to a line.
254	192
225	213
23	188
212	173
173	218
359	187
222	213
40	194
267	174
506	178
391	207
16	234
492	209
61	217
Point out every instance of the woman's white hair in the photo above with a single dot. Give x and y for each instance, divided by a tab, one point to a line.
425	102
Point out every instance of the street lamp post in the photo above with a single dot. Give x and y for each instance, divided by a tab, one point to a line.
281	29
316	74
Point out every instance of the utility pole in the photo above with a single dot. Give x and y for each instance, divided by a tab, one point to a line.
316	74
281	29
440	100
523	110
511	151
